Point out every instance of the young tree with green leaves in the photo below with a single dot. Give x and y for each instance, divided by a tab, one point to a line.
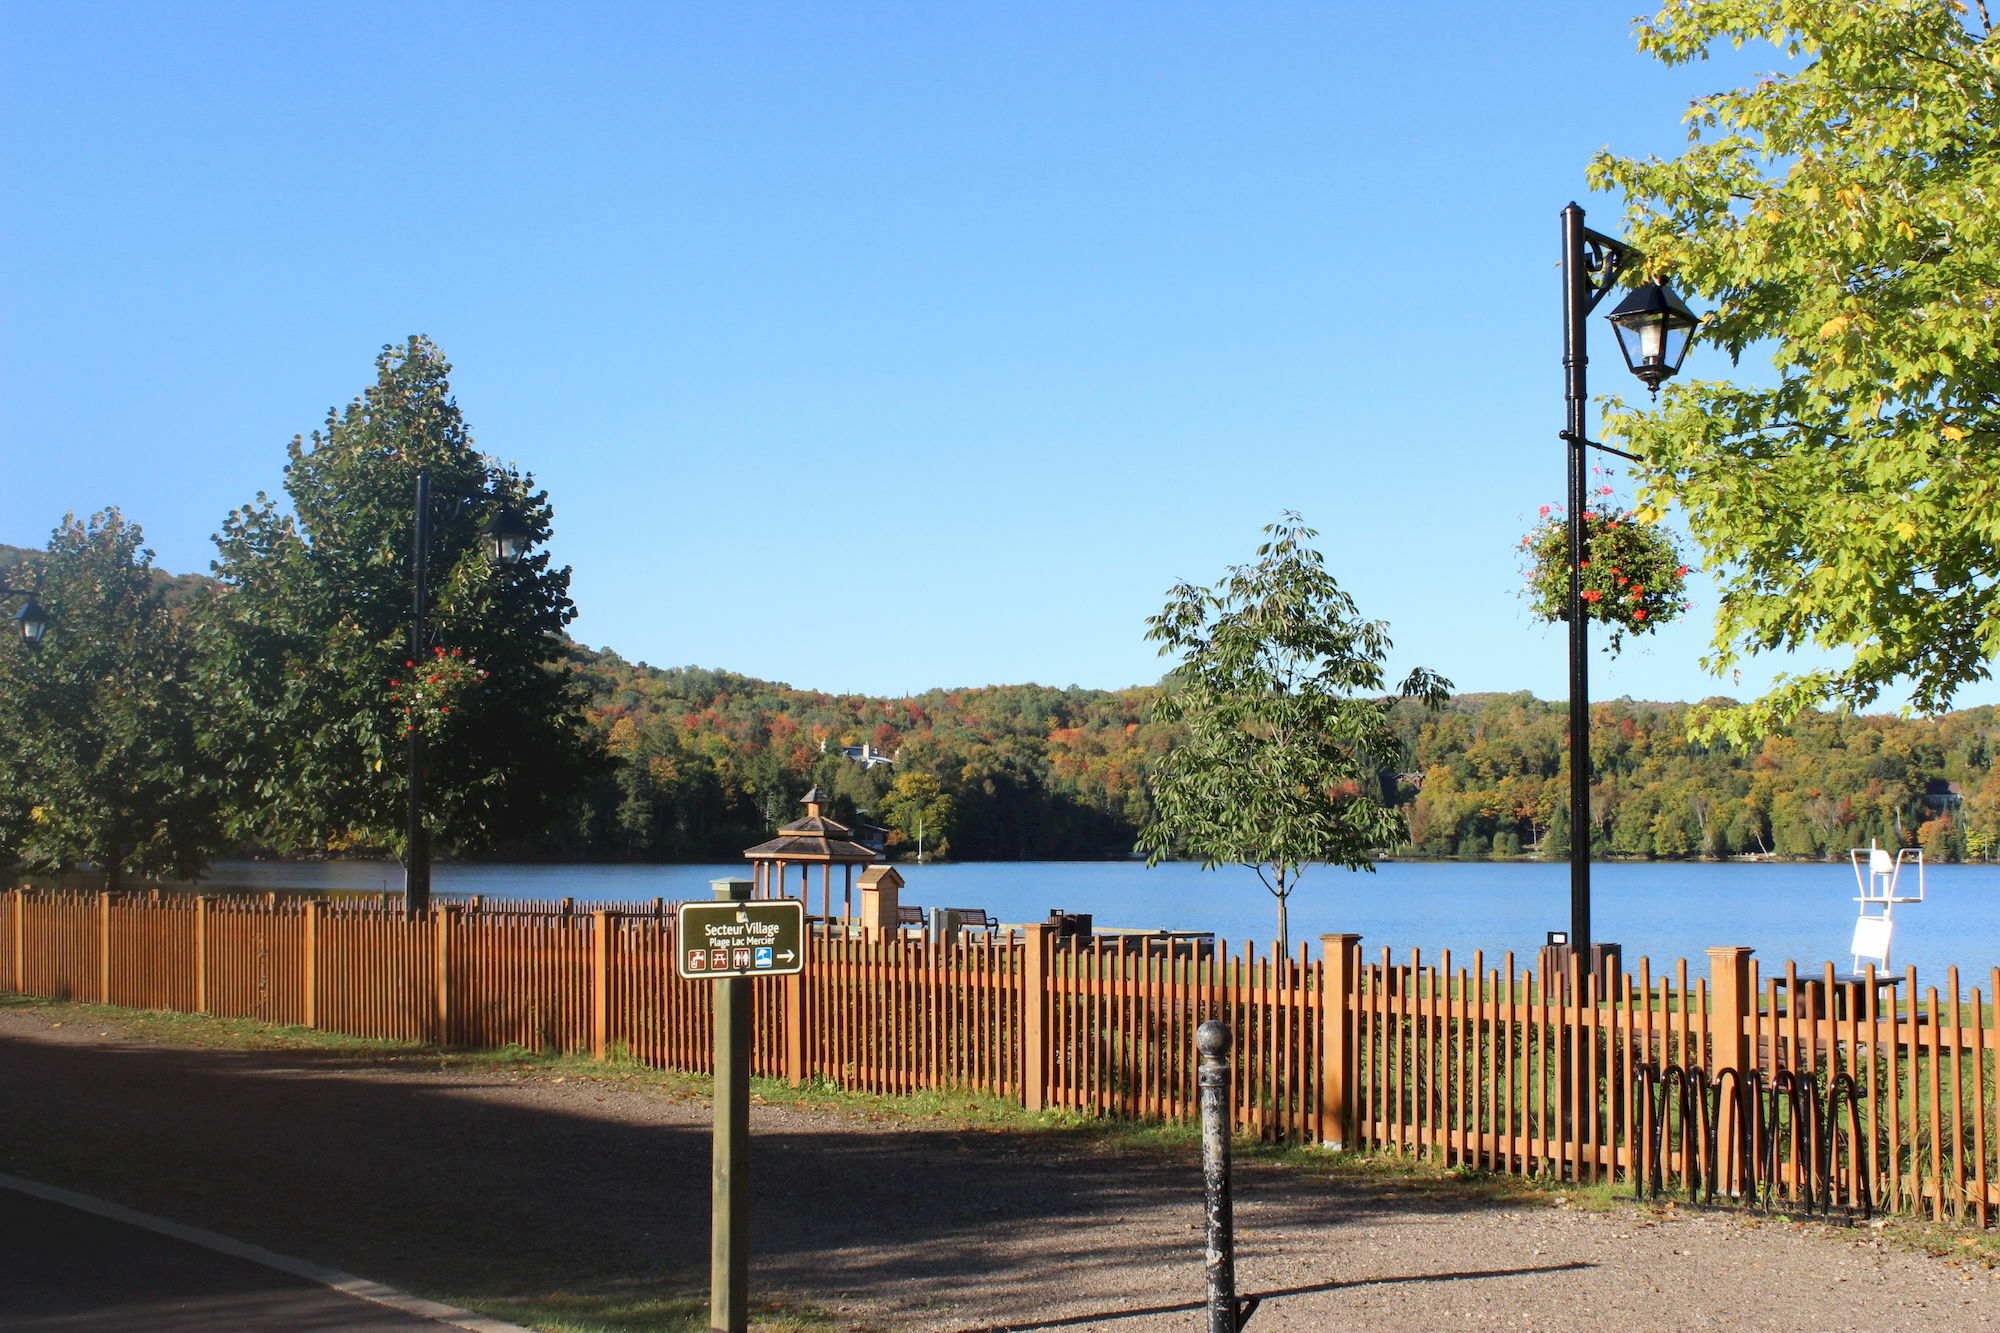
308	638
102	753
1840	215
1281	764
920	812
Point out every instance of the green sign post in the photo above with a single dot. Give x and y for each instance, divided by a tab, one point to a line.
729	941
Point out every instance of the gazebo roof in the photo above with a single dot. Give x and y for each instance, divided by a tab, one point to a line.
836	850
814	838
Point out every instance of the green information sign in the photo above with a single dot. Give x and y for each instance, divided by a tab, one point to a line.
762	938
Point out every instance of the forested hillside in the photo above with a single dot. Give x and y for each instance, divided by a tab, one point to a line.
702	763
708	760
1488	776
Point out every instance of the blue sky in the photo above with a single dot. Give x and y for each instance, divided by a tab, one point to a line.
866	346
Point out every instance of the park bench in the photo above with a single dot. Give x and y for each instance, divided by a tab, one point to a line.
968	918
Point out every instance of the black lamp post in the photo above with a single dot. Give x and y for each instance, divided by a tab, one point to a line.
506	539
1654	327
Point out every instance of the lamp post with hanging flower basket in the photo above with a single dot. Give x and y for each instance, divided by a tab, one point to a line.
1575	552
438	677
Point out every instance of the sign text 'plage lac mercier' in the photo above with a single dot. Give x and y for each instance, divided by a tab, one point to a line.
718	940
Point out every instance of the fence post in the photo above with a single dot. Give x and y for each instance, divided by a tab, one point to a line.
104	948
315	912
441	918
1340	973
201	953
600	984
795	1028
1035	961
21	940
1730	1006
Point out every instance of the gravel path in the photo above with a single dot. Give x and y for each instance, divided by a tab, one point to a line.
494	1184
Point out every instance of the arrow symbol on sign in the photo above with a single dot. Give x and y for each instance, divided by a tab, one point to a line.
787	956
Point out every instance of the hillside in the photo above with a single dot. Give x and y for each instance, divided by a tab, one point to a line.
704	762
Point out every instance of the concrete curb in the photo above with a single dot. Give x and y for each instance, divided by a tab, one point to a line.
256	1254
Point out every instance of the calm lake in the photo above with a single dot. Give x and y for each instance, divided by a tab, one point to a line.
1665	911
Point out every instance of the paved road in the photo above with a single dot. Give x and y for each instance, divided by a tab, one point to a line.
68	1270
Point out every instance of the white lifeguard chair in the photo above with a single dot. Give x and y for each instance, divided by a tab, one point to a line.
1878	876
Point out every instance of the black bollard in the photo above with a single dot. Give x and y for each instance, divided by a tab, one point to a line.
1225	1313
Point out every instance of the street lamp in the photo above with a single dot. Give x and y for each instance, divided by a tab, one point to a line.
506	539
31	619
1654	327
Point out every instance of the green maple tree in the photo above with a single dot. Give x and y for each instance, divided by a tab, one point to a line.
1840	216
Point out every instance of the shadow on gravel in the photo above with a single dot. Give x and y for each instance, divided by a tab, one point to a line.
474	1185
1099	1316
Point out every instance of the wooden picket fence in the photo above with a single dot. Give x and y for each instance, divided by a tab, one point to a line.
1889	1104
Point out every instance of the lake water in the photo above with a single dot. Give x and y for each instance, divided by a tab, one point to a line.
1664	910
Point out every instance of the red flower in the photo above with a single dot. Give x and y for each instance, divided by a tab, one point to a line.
1545	511
1592	595
1640	614
1682	572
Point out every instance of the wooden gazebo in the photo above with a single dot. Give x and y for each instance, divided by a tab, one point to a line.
815	840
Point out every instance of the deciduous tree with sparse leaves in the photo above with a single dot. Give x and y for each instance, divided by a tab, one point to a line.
1285	750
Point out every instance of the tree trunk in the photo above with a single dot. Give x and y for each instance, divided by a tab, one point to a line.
1284	929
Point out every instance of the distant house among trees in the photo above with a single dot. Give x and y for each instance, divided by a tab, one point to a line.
863	754
1942	795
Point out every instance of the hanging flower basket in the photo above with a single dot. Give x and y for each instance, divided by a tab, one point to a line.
1634	578
427	692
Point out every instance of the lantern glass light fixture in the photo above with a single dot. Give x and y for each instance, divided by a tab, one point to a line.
1654	326
507	537
34	623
